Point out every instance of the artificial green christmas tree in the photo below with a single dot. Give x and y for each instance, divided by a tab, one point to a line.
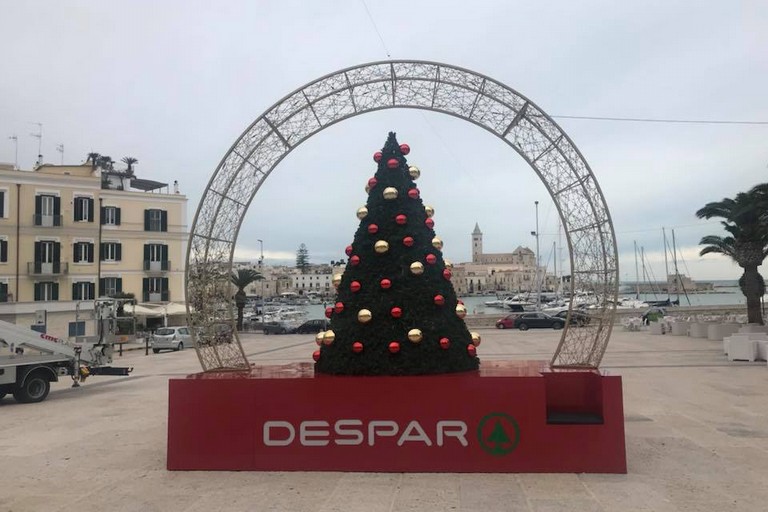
396	312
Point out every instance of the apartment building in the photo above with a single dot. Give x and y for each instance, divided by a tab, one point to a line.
71	233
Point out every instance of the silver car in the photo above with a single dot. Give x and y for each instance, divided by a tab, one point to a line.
171	338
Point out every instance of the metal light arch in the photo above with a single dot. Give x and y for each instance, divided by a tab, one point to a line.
357	90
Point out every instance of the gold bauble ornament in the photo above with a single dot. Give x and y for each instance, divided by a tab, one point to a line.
336	280
437	244
448	264
475	338
414	172
381	247
390	193
364	316
461	311
328	337
429	211
417	268
319	337
415	335
362	212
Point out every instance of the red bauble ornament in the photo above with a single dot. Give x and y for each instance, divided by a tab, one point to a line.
439	300
460	302
328	312
447	274
316	355
401	219
431	259
393	163
338	308
373	229
405	148
355	260
394	347
357	347
377	156
348	250
408	241
429	223
355	286
372	182
396	312
413	193
385	284
445	343
471	350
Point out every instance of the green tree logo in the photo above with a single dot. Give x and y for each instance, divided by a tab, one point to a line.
498	434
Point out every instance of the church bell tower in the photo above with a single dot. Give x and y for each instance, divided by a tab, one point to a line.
477	245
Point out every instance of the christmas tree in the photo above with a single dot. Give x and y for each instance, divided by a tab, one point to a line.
396	312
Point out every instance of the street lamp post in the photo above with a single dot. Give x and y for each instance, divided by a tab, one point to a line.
536	234
261	271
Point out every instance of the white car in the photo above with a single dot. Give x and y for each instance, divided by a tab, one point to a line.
171	338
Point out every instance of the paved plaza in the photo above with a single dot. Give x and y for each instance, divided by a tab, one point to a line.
696	427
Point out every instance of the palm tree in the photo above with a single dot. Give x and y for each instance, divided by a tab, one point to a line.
129	161
93	158
241	279
746	243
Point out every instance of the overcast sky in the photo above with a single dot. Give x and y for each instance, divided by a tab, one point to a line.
174	83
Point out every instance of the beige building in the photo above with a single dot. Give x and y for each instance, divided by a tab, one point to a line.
69	234
491	272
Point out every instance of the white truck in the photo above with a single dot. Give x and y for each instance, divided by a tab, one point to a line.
30	360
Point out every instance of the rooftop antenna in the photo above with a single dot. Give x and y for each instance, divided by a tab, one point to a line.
60	149
15	139
39	137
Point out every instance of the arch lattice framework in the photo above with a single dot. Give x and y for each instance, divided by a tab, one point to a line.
400	84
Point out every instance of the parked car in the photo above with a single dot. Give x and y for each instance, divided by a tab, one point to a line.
527	321
312	326
171	338
508	322
277	327
577	317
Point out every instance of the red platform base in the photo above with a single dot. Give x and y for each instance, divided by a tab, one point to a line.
508	417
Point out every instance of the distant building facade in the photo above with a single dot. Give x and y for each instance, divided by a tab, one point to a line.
72	233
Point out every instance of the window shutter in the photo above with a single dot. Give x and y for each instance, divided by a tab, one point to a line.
119	284
38	252
4	250
147	250
89	252
78	209
76	292
165	294
117	216
91	291
76	252
103	215
102	250
2	204
146	220
90	209
55	291
164	252
38	205
118	252
102	286
145	285
56	205
37	291
56	252
163	221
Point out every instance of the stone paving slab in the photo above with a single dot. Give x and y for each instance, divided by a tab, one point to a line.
696	426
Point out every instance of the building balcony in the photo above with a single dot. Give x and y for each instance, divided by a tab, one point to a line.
47	221
157	266
161	296
37	268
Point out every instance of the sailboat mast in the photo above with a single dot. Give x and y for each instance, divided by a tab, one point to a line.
678	281
637	274
666	263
